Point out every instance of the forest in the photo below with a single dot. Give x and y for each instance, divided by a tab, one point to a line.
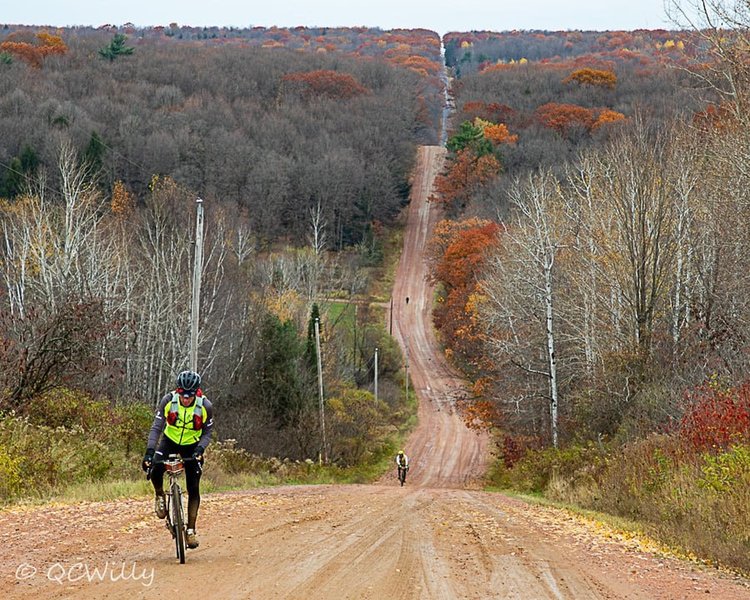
590	269
593	264
302	160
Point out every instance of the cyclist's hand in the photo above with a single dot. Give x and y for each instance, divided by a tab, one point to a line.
148	460
198	455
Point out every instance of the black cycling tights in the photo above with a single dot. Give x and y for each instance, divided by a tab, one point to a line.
192	475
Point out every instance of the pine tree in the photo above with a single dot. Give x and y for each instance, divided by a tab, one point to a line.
116	48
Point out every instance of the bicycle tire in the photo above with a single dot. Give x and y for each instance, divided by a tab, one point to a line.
178	522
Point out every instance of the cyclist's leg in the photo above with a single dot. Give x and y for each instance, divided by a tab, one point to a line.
192	479
165	448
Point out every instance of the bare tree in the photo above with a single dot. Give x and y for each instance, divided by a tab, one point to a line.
522	286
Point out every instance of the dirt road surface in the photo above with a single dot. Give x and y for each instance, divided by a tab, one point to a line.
438	537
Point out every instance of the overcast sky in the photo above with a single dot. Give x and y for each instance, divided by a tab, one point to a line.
438	15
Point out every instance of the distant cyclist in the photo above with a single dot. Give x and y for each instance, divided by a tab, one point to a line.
185	418
402	463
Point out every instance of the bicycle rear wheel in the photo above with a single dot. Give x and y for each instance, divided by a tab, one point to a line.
178	522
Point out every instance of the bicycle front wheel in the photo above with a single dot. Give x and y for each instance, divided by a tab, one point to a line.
178	522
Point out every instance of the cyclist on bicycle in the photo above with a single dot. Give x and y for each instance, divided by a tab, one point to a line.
185	418
402	462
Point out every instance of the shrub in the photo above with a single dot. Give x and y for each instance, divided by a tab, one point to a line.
716	418
121	427
358	426
231	459
10	474
537	469
48	458
695	501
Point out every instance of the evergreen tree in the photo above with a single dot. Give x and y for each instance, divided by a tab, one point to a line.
29	160
94	152
116	48
14	178
284	381
310	351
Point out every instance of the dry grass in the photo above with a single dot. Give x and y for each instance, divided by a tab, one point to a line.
696	502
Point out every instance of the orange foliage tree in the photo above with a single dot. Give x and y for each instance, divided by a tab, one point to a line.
122	202
606	117
595	77
565	117
465	175
497	133
330	84
462	250
35	53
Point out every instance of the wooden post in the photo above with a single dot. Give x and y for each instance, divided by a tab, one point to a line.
197	268
376	374
324	452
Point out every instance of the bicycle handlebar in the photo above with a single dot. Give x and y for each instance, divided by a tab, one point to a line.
161	462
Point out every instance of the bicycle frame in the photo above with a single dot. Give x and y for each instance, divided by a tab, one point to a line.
175	521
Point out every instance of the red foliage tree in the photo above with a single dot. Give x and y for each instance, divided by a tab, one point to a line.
465	175
330	84
716	418
715	117
565	117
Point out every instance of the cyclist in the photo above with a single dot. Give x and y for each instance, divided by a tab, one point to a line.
402	462
185	418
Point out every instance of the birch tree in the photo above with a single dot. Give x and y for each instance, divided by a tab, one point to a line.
522	288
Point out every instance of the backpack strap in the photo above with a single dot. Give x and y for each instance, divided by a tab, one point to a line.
198	411
174	407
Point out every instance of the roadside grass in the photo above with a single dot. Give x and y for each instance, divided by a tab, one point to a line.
382	283
695	504
633	534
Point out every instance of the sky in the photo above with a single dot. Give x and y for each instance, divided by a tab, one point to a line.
438	15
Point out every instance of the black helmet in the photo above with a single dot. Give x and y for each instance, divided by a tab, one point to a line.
189	381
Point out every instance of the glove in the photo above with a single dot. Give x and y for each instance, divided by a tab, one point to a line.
148	460
198	455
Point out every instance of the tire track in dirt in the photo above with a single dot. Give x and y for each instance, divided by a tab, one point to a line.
432	539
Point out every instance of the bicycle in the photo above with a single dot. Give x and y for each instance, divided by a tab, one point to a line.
175	520
402	474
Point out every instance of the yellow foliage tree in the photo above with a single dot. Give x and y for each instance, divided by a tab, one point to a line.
594	77
286	305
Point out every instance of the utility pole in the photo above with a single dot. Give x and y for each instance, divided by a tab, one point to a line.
376	374
323	457
390	312
406	378
197	268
